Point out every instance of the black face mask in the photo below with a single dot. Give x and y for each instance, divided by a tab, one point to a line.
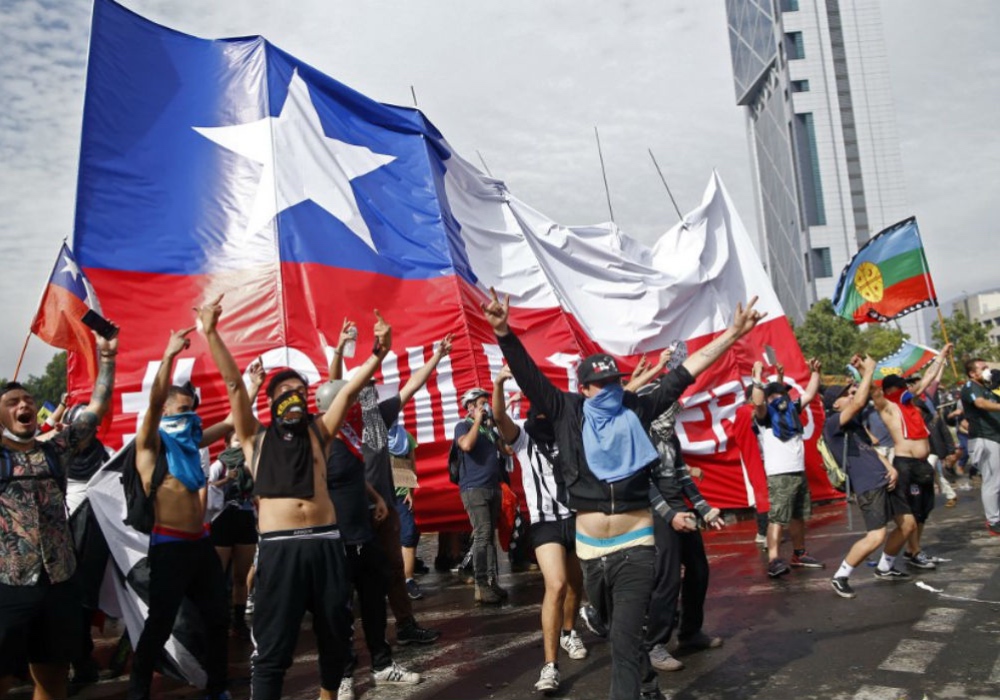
540	429
291	413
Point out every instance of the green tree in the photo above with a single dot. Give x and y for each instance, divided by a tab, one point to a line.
51	385
826	336
970	339
880	340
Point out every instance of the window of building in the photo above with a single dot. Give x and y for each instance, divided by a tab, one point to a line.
822	263
800	86
794	46
789	5
808	156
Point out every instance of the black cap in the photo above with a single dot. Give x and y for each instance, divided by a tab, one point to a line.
893	381
597	367
775	388
283	376
832	393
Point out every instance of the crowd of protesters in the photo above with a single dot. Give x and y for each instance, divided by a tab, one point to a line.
304	511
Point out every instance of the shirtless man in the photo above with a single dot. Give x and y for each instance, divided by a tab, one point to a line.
301	559
182	561
607	460
912	446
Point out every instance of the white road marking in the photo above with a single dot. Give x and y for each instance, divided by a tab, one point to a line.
911	656
879	692
942	620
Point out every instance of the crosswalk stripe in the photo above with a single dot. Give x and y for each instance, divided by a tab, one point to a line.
911	656
879	692
942	620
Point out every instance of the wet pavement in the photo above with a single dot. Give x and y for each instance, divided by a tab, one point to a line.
785	638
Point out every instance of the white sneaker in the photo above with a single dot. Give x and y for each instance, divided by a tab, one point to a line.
661	660
394	673
573	645
548	679
346	689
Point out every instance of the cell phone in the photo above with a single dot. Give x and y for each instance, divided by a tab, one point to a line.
100	325
770	355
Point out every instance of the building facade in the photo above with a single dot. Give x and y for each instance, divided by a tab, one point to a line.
813	77
982	308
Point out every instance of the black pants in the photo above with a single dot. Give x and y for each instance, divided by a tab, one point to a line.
178	570
618	585
299	570
674	550
369	572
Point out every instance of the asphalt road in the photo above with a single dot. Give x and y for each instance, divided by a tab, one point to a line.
786	638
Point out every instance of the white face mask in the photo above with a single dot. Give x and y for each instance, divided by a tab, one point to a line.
987	375
17	438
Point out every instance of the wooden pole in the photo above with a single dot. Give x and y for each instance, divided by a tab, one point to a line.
933	298
604	174
944	336
24	348
664	181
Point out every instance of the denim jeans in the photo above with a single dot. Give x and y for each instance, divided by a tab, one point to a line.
619	586
483	507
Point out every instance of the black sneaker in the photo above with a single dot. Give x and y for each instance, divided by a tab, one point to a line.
842	587
993	528
777	567
593	621
892	575
412	633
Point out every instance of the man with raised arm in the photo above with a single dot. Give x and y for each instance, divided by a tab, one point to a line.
301	560
607	459
39	615
911	440
182	561
364	436
780	431
873	481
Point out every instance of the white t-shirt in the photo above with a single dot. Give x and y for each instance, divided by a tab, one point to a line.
538	479
780	456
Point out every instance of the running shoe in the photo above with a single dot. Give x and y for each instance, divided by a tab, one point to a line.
777	567
346	689
394	673
573	645
412	633
993	528
805	561
413	589
918	561
548	679
661	660
593	621
699	641
892	575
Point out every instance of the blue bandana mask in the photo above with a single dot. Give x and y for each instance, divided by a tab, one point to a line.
399	441
614	441
181	437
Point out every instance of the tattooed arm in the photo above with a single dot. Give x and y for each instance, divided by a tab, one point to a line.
743	322
85	426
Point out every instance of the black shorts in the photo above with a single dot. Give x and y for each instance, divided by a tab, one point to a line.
874	507
38	624
234	526
558	531
919	497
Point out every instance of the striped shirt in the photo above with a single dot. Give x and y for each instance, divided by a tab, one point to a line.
540	488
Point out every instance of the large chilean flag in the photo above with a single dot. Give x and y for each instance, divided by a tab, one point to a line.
229	166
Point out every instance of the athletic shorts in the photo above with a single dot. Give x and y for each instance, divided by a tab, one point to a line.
789	496
38	624
919	497
561	532
234	526
874	507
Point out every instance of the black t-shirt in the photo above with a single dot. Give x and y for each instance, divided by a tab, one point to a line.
345	479
378	465
87	461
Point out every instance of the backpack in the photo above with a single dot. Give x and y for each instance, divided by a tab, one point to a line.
454	463
834	472
140	514
785	422
55	468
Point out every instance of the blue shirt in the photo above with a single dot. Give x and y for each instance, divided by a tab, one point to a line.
481	466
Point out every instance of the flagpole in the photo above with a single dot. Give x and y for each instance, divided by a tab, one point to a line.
483	161
24	348
604	174
414	93
937	306
664	181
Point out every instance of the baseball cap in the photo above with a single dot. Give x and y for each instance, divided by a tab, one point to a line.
776	388
832	393
597	367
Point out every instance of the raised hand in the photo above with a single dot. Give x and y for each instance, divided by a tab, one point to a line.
745	318
256	374
383	332
496	313
348	331
815	365
179	342
503	375
208	315
444	347
105	347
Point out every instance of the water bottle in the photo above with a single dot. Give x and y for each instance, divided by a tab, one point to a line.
352	344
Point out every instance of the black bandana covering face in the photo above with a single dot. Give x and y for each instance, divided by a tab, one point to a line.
375	435
290	413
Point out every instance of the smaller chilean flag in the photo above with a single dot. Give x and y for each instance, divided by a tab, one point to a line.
59	320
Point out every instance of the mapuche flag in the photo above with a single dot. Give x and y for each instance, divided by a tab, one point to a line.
909	359
888	277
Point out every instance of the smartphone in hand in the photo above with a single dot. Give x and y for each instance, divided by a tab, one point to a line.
100	325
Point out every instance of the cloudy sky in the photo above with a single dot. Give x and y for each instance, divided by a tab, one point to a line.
524	83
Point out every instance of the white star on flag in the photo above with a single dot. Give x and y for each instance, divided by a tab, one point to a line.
70	268
298	161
